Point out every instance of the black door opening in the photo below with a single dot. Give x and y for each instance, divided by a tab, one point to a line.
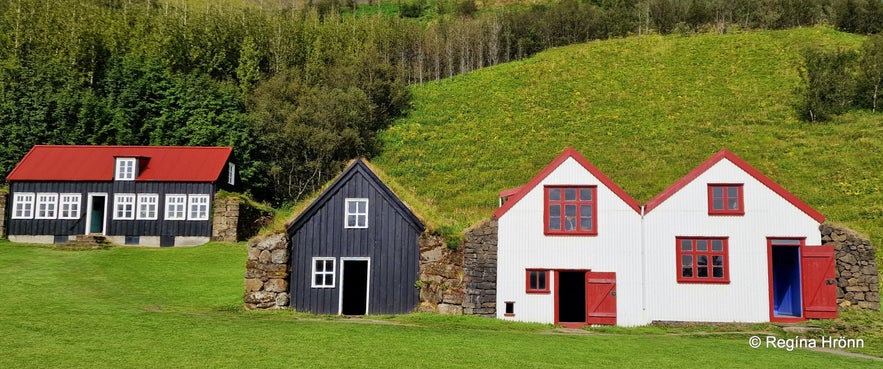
355	287
572	297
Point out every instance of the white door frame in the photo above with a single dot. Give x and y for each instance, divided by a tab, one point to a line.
89	197
367	282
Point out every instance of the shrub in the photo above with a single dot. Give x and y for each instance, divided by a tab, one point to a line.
466	8
828	84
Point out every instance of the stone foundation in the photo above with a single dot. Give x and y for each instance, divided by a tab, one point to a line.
857	275
236	220
266	273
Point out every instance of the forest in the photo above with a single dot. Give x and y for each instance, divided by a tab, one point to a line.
299	90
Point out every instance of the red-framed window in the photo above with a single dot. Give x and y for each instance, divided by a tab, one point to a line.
571	210
703	260
725	199
537	281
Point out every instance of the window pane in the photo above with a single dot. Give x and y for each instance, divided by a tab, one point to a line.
555	210
733	192
363	220
362	205
717	192
701	245
541	280
585	194
570	194
702	260
717	260
687	271
555	223
533	280
319	280
718	272
717	245
717	204
570	210
351	221
585	222
686	245
702	272
555	194
733	204
569	217
687	260
320	265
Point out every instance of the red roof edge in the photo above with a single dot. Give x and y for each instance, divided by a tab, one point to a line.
12	172
570	152
742	164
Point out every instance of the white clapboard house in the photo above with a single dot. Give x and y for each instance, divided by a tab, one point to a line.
722	244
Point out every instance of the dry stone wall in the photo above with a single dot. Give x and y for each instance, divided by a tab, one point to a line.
266	273
236	220
441	276
3	214
858	280
480	269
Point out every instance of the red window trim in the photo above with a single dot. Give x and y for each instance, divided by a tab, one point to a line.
739	197
576	232
703	280
527	288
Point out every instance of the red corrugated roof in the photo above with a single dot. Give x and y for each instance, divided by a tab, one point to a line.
96	163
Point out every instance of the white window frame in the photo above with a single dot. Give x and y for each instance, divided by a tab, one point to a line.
357	214
123	202
324	272
69	205
126	169
23	205
148	205
193	204
47	205
176	204
231	174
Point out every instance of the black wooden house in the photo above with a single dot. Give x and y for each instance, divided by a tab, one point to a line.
135	195
354	249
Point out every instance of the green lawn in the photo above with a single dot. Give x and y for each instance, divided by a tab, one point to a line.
645	110
145	308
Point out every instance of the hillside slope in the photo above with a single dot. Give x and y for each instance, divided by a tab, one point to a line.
645	110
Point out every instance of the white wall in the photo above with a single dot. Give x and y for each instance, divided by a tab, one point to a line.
522	245
746	297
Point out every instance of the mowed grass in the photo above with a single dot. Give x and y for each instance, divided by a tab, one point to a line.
645	110
152	308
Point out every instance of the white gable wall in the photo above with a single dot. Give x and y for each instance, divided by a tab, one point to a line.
522	245
746	297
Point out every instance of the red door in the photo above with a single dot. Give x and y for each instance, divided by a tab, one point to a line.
819	283
600	298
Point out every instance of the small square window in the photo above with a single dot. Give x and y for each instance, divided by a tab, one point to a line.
124	206
510	308
699	263
126	169
725	199
323	273
23	205
537	281
571	210
356	213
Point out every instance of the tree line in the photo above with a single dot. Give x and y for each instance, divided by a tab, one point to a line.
297	91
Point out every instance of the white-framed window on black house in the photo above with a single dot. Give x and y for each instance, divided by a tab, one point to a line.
47	205
176	206
124	206
323	272
69	206
197	206
356	213
147	206
23	205
125	169
231	174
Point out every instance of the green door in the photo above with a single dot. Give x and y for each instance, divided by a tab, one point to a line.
96	219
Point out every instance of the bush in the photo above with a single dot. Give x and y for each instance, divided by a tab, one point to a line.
828	84
466	8
414	10
870	76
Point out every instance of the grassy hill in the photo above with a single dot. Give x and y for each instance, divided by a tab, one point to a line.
645	110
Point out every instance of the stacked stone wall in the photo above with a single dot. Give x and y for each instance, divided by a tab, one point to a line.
3	197
236	220
266	273
480	269
856	271
441	276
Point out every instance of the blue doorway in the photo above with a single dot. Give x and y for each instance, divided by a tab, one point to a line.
787	299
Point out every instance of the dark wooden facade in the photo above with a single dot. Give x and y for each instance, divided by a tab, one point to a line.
158	227
389	245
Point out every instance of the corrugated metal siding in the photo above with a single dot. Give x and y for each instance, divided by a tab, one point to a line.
390	241
522	245
746	297
157	227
